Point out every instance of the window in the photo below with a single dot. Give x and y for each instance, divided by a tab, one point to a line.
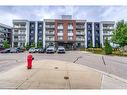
32	32
70	38
16	30
32	25
60	31
60	37
40	38
40	32
70	31
40	25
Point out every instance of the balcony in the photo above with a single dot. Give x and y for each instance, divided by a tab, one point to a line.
50	39
19	26
60	34
50	33
70	27
108	34
70	34
2	36
19	40
60	27
19	34
50	26
80	33
80	39
108	28
60	38
70	38
80	27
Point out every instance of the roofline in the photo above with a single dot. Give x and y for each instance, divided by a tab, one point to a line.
6	26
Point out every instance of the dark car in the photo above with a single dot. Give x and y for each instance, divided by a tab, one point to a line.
14	50
20	49
61	49
32	50
5	51
41	50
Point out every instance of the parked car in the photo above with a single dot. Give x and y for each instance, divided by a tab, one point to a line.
32	50
5	51
61	49
36	50
14	50
20	49
41	50
51	49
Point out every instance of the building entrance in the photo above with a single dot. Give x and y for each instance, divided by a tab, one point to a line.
67	46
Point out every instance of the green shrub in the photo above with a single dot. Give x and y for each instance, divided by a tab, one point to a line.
107	48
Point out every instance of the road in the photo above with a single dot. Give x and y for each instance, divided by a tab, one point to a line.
110	64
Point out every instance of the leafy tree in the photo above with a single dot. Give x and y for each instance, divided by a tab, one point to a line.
6	44
90	44
27	46
32	45
39	45
97	45
120	34
107	48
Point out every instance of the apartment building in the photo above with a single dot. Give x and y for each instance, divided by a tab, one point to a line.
27	32
93	34
64	31
106	30
5	34
20	33
35	32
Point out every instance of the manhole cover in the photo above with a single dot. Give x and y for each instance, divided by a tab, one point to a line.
66	77
56	68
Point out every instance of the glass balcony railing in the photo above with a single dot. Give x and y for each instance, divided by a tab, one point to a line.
50	33
50	39
80	39
50	26
80	33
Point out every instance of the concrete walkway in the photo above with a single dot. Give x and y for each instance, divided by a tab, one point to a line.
52	74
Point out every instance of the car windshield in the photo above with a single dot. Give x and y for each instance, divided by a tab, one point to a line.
60	47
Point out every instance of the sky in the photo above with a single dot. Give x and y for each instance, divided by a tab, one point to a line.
37	13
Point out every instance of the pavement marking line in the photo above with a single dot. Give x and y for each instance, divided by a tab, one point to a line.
27	79
77	59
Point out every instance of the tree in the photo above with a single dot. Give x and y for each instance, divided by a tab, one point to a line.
97	45
32	45
39	45
107	48
6	44
90	44
120	34
27	46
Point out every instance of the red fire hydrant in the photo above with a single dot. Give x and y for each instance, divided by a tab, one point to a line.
29	61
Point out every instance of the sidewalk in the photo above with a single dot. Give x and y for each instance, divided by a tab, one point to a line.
52	74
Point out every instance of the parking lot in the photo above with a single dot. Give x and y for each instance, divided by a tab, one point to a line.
111	64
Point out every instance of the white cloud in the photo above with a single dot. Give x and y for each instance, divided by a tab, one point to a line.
8	17
115	13
89	13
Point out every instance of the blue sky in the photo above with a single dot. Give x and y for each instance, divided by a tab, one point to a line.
89	13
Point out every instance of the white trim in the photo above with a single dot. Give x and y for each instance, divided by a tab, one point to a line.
86	35
44	34
101	34
93	36
27	32
36	33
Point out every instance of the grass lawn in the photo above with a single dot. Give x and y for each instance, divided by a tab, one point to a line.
101	51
